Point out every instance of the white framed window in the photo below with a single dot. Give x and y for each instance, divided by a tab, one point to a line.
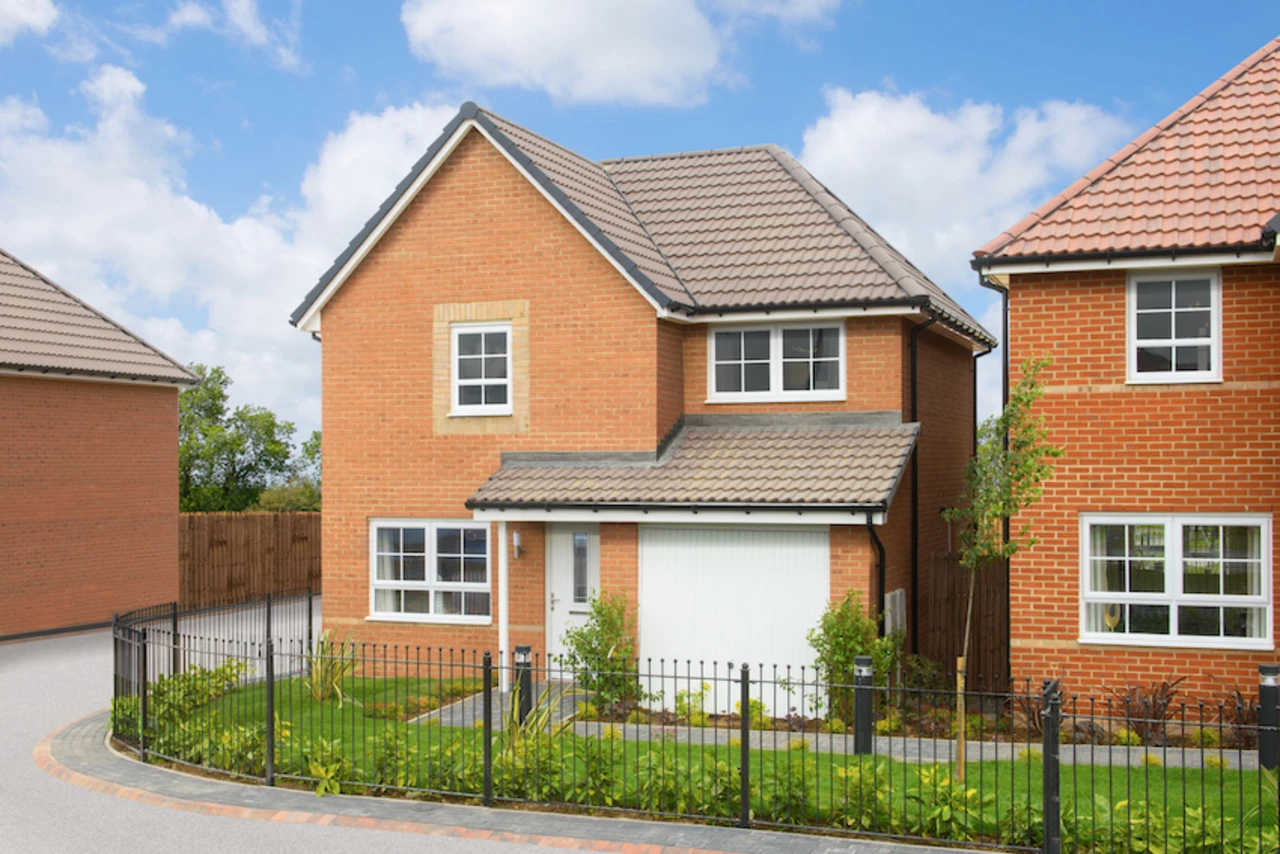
1175	327
480	357
1181	580
781	362
426	570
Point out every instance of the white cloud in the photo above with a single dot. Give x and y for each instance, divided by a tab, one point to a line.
940	183
104	211
666	52
239	20
18	16
187	15
658	52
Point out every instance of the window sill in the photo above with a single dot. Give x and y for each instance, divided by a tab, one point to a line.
1170	379
429	619
507	413
799	397
1157	642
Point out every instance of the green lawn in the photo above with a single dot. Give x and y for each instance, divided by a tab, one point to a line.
358	745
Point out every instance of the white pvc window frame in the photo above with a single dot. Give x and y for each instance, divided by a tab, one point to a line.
430	585
1173	595
776	392
456	383
1213	342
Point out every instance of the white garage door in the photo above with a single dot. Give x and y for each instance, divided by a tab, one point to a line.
731	594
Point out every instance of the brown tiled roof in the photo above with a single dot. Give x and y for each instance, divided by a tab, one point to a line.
1206	176
45	330
750	226
715	231
833	466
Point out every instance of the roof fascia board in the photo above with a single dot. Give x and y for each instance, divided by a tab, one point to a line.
772	316
310	319
660	516
1069	264
34	373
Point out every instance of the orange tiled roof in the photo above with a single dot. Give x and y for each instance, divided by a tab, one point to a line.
1208	175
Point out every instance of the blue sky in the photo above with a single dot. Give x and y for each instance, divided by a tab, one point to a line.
190	167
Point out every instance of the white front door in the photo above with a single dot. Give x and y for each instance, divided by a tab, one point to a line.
573	577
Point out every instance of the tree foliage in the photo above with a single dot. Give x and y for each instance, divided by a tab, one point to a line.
226	457
302	490
1005	478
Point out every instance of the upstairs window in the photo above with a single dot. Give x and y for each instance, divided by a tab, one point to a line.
481	369
1175	328
777	363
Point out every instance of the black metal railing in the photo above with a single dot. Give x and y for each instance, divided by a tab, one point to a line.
254	692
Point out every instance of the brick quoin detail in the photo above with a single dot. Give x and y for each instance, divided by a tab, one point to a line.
96	531
1200	448
604	374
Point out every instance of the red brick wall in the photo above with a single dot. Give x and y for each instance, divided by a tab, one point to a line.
478	232
88	501
670	376
1155	448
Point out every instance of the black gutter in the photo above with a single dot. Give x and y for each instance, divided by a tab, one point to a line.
1266	243
915	485
875	541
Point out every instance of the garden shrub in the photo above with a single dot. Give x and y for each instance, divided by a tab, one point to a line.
602	651
1126	738
757	714
331	663
863	800
835	726
790	791
394	763
845	632
717	791
691	705
327	764
126	716
890	723
1205	737
942	808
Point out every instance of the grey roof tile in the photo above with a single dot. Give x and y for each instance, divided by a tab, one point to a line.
44	329
833	466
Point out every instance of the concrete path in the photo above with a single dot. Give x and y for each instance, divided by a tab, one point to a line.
67	792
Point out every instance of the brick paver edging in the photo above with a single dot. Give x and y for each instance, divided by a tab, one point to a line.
78	753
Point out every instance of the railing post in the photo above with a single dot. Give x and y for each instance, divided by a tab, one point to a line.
175	661
268	614
1268	716
142	694
863	680
311	610
1051	715
524	680
488	729
744	748
269	771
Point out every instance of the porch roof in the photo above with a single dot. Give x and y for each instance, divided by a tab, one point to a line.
837	462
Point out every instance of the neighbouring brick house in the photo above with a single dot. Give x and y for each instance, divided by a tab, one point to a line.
1151	283
688	379
88	461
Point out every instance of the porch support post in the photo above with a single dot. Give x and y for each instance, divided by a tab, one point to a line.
504	622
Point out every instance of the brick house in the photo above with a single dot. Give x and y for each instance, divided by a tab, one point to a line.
89	461
1151	284
697	380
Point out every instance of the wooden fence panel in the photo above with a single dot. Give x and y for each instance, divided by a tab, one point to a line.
943	602
239	557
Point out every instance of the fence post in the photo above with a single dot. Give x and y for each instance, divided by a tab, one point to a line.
488	729
744	748
268	613
269	771
175	661
142	694
524	680
1051	715
311	608
1268	716
863	680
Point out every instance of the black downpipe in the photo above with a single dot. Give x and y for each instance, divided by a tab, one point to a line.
875	541
915	491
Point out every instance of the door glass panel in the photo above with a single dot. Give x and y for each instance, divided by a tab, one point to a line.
581	580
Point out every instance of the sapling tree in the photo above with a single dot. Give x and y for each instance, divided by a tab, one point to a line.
1006	476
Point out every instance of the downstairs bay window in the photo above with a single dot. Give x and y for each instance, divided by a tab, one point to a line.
1202	580
429	571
